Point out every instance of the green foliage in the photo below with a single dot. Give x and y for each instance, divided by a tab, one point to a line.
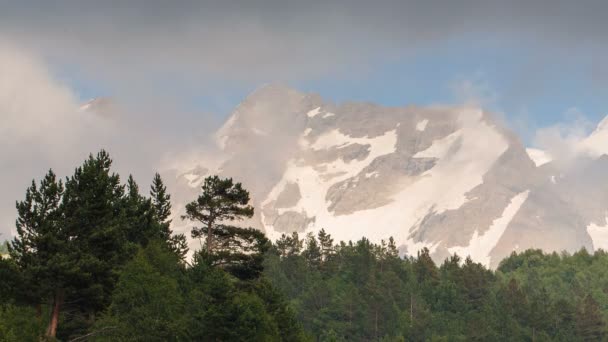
221	201
147	304
73	240
19	323
10	280
161	200
223	308
161	209
239	251
364	291
94	259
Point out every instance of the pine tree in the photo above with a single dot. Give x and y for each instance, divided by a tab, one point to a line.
425	268
239	251
221	201
392	248
289	245
102	231
41	250
141	227
312	253
327	245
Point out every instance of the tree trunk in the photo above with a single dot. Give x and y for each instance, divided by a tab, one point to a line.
376	324
209	238
411	309
38	312
51	330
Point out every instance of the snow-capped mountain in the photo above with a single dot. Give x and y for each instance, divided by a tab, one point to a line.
448	178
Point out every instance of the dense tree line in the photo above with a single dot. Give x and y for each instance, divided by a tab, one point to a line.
365	292
95	260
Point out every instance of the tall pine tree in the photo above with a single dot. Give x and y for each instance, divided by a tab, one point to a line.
41	249
221	201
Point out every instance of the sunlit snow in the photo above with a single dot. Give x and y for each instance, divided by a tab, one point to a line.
442	188
421	126
314	112
539	157
480	246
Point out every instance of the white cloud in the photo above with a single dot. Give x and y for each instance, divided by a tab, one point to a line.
41	127
474	90
563	140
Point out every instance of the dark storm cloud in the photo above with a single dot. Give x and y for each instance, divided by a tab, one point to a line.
287	38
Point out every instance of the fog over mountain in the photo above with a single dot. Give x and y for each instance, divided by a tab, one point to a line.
452	179
140	79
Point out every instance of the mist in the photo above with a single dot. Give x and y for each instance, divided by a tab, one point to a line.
157	62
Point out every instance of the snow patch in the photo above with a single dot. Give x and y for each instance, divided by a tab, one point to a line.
222	133
421	126
328	115
335	138
314	112
374	174
258	131
480	246
440	147
444	186
539	157
596	144
441	188
315	184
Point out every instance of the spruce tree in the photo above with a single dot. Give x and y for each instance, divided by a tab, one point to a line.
161	204
141	227
161	201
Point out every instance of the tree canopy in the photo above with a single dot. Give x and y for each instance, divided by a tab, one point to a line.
94	259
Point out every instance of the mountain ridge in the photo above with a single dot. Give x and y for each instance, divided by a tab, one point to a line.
449	178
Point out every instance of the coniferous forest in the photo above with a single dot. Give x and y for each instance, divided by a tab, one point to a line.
94	259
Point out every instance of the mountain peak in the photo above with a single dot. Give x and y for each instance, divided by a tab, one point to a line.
272	91
596	144
445	178
603	125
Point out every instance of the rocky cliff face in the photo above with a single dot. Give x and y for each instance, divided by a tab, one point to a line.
450	179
